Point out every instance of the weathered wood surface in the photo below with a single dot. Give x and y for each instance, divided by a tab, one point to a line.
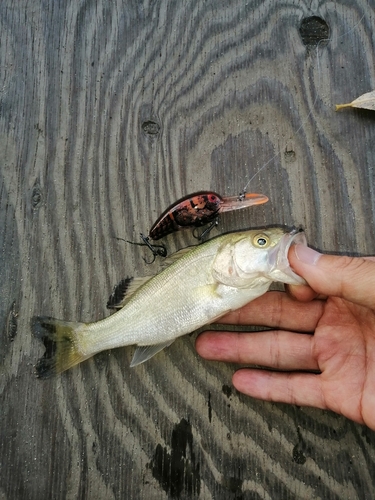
109	111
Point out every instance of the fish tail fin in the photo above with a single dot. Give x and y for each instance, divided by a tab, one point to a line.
60	339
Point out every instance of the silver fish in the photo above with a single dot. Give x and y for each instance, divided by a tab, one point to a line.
198	287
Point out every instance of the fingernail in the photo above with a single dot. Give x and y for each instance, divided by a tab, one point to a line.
307	255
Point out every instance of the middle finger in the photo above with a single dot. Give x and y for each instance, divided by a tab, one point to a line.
281	350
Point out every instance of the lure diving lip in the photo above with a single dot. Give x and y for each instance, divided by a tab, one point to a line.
243	200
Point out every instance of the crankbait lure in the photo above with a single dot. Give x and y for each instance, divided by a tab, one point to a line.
199	209
195	210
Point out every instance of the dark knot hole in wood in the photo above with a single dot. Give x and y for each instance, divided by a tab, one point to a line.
150	127
313	31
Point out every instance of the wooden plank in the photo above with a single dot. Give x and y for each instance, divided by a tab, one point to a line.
109	111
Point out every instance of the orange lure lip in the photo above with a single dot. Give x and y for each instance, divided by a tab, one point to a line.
241	201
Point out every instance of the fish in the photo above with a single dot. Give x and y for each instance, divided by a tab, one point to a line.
198	209
198	286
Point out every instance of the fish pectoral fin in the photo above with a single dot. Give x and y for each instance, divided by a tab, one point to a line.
214	290
145	352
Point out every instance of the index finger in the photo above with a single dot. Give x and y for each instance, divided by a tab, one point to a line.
277	310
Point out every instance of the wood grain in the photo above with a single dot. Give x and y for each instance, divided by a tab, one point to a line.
109	111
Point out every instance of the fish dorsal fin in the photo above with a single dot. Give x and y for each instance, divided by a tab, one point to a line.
124	290
145	352
119	293
177	255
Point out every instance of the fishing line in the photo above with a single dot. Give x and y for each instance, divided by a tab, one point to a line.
189	212
323	40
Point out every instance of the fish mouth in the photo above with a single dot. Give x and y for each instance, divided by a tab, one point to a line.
278	258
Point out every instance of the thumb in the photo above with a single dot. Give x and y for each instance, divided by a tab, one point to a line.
351	278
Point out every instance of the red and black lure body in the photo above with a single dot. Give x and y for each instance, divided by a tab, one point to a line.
199	209
195	210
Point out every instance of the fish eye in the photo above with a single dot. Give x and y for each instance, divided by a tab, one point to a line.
261	241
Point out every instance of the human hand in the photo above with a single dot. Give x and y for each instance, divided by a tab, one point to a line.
341	349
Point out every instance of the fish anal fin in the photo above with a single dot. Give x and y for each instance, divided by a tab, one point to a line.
145	352
124	290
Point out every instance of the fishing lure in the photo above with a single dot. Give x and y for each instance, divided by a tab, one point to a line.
195	210
199	209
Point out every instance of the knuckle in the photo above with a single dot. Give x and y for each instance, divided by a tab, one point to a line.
347	264
275	312
350	271
274	350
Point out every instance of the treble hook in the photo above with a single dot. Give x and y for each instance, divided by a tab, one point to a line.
157	250
207	230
